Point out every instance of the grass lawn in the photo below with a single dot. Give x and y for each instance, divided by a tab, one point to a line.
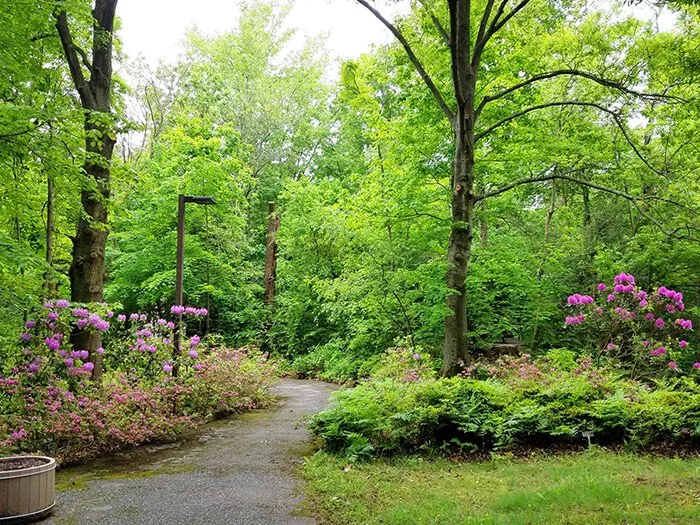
592	488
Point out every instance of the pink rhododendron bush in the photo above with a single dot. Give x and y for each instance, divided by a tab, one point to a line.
633	383
643	332
50	404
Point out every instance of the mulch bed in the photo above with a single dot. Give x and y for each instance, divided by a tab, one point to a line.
19	463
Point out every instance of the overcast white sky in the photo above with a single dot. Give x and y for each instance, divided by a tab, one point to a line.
351	29
154	28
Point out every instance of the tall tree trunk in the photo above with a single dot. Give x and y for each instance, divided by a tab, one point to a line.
456	351
87	270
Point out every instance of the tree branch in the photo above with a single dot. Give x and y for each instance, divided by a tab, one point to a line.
575	72
84	57
498	23
635	199
436	22
480	42
69	49
413	58
616	117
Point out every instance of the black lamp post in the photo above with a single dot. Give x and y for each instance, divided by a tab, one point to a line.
182	200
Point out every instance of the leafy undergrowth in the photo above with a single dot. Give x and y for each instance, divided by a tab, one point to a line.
594	487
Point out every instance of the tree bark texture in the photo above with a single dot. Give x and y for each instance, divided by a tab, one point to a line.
87	270
271	254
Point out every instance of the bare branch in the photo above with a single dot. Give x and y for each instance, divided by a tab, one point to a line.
635	199
413	58
616	117
577	73
499	22
438	25
480	41
84	57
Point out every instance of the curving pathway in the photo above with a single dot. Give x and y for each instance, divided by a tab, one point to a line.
240	471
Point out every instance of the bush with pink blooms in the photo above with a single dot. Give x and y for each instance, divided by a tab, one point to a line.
49	403
646	332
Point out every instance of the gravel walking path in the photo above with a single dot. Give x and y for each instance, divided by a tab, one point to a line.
241	471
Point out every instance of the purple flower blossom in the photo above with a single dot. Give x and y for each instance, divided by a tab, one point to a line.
193	353
81	323
52	343
48	305
34	368
110	314
190	310
88	366
686	324
62	303
121	318
203	312
696	365
25	337
161	322
672	365
167	341
29	325
649	317
575	320
103	325
167	367
200	366
52	316
68	362
602	287
659	351
171	325
142	317
194	341
683	344
611	346
100	351
611	298
177	309
659	323
80	312
134	317
645	343
643	303
619	288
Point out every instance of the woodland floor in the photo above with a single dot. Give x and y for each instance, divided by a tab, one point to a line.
239	471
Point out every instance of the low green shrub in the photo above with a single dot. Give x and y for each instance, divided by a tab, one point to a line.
521	403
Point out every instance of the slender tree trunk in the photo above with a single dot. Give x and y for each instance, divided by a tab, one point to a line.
271	255
540	270
50	282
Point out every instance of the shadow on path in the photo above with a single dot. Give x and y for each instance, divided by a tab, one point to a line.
240	471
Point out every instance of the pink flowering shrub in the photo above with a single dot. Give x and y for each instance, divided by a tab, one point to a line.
49	403
645	331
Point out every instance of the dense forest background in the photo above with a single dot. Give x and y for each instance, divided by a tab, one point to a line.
359	168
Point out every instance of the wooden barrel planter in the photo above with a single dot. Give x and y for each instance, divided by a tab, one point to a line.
26	488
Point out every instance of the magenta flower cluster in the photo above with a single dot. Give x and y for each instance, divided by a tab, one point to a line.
637	323
189	310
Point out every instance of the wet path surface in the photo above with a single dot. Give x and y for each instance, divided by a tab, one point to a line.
241	471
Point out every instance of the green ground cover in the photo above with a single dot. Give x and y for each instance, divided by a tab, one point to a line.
594	487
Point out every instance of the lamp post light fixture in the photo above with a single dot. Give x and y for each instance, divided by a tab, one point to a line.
182	200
